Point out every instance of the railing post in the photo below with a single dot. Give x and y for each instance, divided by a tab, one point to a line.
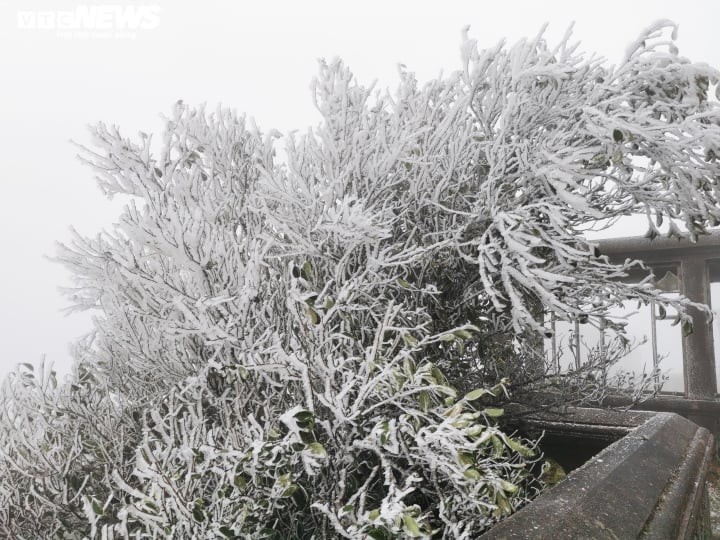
700	381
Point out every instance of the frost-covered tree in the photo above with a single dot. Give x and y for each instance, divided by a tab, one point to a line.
283	349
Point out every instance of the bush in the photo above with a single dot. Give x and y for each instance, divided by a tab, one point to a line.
322	346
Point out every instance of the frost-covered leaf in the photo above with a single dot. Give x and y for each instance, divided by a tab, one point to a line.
476	394
411	527
317	449
313	315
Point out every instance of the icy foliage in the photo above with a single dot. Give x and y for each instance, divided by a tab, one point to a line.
273	341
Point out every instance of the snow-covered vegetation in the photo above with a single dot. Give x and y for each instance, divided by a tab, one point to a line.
321	347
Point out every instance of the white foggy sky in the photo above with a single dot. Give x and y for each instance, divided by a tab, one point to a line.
255	57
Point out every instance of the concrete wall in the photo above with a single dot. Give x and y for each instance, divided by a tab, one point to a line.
649	483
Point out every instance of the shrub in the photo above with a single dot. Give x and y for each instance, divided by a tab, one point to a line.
274	340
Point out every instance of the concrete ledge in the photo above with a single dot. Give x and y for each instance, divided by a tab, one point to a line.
582	423
650	483
668	403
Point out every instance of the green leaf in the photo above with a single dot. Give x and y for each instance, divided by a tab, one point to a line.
521	449
438	375
97	508
493	412
409	366
447	390
313	315
300	498
305	419
292	488
497	445
424	399
75	482
687	328
472	474
475	394
378	533
453	411
508	487
240	481
504	506
447	337
462	334
404	284
410	340
227	532
307	270
374	514
198	514
317	449
617	135
411	526
466	458
385	428
243	372
474	431
284	480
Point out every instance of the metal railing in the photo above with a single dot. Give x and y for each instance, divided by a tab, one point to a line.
694	265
